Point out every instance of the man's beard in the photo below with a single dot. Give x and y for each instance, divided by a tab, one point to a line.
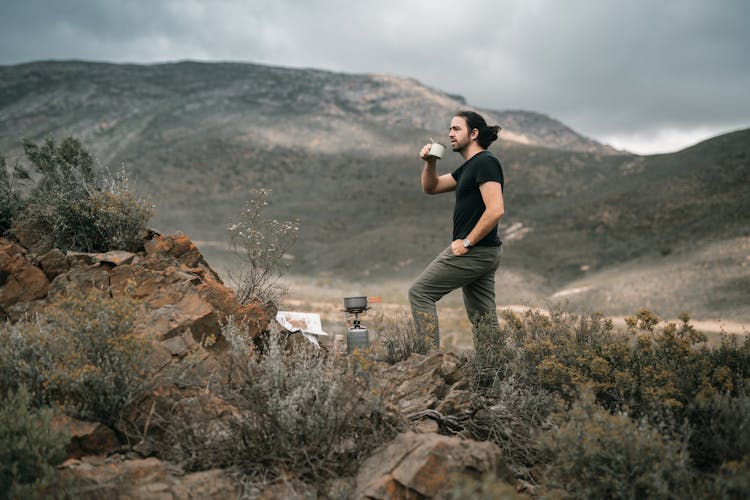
459	147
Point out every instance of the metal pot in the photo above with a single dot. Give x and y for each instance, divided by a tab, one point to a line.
355	303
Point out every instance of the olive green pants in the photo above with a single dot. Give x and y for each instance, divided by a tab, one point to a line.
473	272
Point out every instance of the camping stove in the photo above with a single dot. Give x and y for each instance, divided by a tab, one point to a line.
357	335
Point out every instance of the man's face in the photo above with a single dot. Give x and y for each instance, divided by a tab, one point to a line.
459	134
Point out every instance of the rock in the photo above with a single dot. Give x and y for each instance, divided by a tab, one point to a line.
425	466
147	478
136	281
184	310
178	247
86	438
421	382
20	280
458	402
115	257
54	263
85	279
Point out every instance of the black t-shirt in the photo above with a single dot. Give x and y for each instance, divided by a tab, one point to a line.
480	168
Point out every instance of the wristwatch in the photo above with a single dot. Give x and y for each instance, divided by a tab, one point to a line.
467	243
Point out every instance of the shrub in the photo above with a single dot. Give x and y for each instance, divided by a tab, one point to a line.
398	337
643	370
512	416
27	349
720	430
110	217
239	339
663	374
732	481
11	197
595	454
78	206
301	416
261	245
29	448
82	354
511	410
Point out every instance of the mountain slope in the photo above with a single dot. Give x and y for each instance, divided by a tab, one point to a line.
339	152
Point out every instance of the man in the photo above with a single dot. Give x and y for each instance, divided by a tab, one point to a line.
472	258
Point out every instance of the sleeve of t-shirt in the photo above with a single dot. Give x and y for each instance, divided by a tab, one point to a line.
489	169
457	173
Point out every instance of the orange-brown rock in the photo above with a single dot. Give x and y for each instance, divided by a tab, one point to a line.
422	466
54	263
20	280
162	249
86	438
85	279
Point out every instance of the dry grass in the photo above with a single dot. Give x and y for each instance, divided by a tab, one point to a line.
325	296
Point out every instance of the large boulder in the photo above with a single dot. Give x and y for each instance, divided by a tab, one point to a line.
424	466
183	300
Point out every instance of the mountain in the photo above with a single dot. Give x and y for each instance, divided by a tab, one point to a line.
339	152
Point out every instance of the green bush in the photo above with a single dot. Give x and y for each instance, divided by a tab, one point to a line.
81	354
29	447
595	454
76	205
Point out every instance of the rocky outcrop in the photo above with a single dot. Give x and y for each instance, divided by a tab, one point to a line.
183	299
181	305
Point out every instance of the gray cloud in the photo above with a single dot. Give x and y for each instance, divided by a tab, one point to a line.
626	71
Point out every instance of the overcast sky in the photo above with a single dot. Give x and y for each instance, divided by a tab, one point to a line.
644	75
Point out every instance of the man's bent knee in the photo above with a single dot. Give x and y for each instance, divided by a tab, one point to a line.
418	298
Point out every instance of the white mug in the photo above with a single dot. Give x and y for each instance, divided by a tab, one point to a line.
436	150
